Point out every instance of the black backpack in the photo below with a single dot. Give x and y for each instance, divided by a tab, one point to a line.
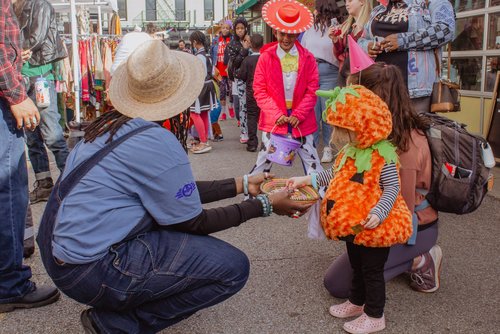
459	176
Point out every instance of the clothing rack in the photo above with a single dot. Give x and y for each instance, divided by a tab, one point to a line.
76	61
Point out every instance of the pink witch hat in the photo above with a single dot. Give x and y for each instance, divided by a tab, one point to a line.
358	58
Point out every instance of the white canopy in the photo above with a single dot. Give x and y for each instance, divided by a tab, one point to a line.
107	6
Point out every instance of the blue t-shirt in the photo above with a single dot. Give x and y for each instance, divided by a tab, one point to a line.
149	172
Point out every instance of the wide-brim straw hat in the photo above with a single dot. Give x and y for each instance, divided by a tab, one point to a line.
288	16
156	83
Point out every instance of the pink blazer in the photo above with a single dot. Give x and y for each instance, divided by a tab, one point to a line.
269	91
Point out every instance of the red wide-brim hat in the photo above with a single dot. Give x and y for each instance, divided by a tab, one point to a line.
288	16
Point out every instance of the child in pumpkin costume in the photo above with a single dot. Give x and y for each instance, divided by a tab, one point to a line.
363	205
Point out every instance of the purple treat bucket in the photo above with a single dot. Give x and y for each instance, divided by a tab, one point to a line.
282	149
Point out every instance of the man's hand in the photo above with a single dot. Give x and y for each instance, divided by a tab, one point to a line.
283	205
282	120
254	182
390	43
293	121
26	114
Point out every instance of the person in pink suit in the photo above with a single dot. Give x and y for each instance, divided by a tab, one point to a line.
285	81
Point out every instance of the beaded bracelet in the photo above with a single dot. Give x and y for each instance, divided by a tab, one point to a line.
314	180
267	207
245	184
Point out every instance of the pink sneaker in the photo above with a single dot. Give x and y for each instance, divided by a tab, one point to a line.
231	112
346	310
365	325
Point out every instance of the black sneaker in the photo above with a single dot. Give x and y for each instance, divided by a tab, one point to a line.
41	296
42	190
251	149
219	138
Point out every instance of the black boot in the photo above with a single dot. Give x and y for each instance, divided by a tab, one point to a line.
41	296
42	190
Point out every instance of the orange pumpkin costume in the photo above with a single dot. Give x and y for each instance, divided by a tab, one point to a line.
354	189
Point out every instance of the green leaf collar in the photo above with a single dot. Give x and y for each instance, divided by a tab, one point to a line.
363	156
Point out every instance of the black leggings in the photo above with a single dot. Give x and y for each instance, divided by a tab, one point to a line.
368	285
338	277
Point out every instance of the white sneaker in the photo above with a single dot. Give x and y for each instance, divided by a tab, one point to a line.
327	155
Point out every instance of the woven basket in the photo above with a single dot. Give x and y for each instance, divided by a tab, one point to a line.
306	194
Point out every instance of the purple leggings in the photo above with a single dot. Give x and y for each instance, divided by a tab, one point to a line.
338	277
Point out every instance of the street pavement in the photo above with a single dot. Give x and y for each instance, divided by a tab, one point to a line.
285	292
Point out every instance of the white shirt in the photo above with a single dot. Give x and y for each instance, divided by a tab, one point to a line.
129	43
289	79
320	46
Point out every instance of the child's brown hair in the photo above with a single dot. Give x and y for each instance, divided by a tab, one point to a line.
387	82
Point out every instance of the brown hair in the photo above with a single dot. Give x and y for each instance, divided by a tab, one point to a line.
387	82
326	10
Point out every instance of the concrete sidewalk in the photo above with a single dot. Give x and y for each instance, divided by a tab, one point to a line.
285	292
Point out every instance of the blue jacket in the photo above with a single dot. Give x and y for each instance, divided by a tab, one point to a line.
428	29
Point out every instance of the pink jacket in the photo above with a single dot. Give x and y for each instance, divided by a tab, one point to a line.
269	91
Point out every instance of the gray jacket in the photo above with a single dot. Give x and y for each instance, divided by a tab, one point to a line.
37	23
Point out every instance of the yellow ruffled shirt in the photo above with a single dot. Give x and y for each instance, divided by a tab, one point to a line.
289	67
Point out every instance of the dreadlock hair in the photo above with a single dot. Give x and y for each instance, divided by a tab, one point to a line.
326	11
179	126
387	82
110	121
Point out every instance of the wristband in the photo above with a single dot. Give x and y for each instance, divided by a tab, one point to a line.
245	184
267	207
314	180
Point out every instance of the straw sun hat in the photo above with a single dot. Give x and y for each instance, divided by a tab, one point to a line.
156	83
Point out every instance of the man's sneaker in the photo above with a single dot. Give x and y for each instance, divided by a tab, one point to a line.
42	190
426	278
231	113
327	155
346	310
223	117
41	296
365	324
89	326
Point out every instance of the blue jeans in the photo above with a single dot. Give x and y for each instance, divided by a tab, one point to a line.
328	74
155	280
14	277
50	133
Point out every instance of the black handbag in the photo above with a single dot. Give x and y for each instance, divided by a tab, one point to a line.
445	93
